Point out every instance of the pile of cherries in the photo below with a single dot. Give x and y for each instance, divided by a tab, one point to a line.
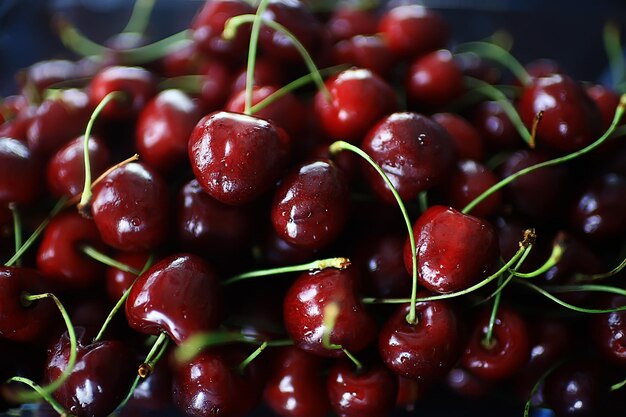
409	220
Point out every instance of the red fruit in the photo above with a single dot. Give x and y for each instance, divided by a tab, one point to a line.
469	181
119	281
606	100
346	22
215	86
19	173
495	126
43	74
454	250
468	141
267	72
434	80
608	330
369	52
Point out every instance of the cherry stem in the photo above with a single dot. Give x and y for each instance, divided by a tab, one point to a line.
338	263
234	22
585	288
595	277
107	260
253	356
295	84
53	386
493	93
43	394
533	130
188	83
508	279
122	299
86	195
538	383
252	52
617	386
75	41
31	239
558	248
619	112
339	146
17	229
331	311
497	53
614	52
565	304
355	361
422	198
140	16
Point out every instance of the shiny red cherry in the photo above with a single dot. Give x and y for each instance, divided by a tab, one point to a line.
468	141
118	281
609	330
179	295
433	81
43	74
454	250
576	388
495	127
606	100
369	52
267	72
347	21
19	172
215	86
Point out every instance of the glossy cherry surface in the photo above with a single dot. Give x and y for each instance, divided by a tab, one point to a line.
495	127
468	141
468	181
609	330
576	389
347	21
19	172
606	101
434	80
370	52
118	281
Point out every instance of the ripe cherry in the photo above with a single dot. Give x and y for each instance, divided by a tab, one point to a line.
468	141
434	80
467	182
608	330
346	22
370	52
215	86
267	72
575	389
606	100
495	127
43	74
118	281
19	172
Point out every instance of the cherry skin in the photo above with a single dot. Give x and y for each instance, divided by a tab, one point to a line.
468	141
495	127
468	385
43	74
606	100
22	321
543	68
130	208
346	22
366	393
60	258
454	250
163	130
118	281
510	348
19	173
425	351
370	52
153	393
311	205
434	80
575	389
295	387
267	72
65	172
215	87
179	295
304	306
343	115
410	391
413	30
414	152
236	158
278	252
608	330
570	119
102	377
17	127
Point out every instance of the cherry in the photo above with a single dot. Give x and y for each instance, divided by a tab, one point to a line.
434	80
413	30
362	392
215	87
606	100
427	350
208	26
58	120
608	330
65	172
19	172
267	72
152	393
570	119
311	205
277	251
130	208
495	127
60	258
509	231
543	68
183	60
100	380
410	391
467	384
179	295
236	158
370	52
136	84
473	65
210	384
20	321
469	181
509	349
468	141
118	281
163	130
414	152
295	387
43	74
17	127
454	250
346	22
343	115
575	389
304	308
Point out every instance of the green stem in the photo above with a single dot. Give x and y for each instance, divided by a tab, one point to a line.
355	361
331	311
189	83
535	387
31	239
555	257
423	201
252	52
508	279
17	229
615	53
617	386
42	393
339	146
253	356
595	277
86	195
497	53
488	340
616	119
76	42
338	263
138	21
153	51
107	260
191	347
585	288
231	28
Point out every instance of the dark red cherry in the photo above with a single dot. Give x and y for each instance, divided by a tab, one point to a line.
495	127
413	30
295	387
509	351
470	180
543	67
215	87
606	100
473	65
23	321
136	84
151	394
370	392
410	391
578	258
101	378
468	385
600	209
236	158
211	385
570	119
454	250
43	74
185	59
311	205
468	141
208	26
19	173
370	52
343	115
415	153
17	127
575	389
346	22
426	350
304	307
179	295
65	172
433	81
130	208
118	281
278	252
60	258
266	72
609	330
163	130
58	120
